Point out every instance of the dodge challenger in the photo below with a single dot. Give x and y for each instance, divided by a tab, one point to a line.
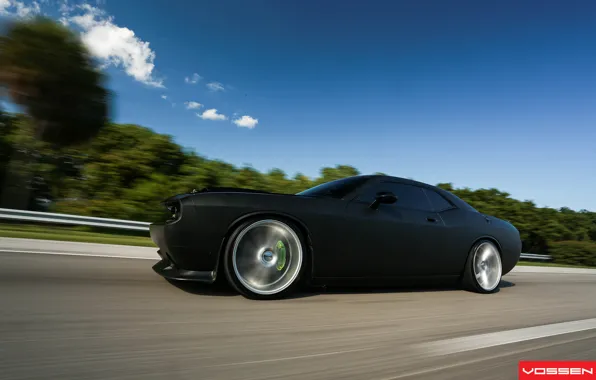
360	230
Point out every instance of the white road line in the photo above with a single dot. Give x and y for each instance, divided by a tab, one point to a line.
79	254
484	358
293	357
476	342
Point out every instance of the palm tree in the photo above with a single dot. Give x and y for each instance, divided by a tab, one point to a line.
45	69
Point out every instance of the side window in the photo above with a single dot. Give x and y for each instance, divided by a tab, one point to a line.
437	201
408	196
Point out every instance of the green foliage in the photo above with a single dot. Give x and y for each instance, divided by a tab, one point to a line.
46	69
574	252
65	151
6	130
127	170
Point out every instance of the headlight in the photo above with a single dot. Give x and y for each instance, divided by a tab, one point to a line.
174	210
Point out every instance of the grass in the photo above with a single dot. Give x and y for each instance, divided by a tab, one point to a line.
541	264
76	234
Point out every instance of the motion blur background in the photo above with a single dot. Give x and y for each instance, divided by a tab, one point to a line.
109	107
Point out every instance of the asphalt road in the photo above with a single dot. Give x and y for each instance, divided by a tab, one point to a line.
71	317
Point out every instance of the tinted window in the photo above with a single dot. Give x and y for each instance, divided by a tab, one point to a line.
437	201
408	196
335	189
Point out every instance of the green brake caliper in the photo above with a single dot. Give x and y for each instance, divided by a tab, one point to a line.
281	255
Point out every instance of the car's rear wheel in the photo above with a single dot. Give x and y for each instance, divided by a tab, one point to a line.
264	258
484	269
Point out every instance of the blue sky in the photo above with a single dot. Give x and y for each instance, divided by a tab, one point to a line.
481	94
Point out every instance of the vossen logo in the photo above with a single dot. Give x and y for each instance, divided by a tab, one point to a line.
540	369
559	371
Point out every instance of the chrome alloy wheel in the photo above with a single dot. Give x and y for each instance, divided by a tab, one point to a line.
487	266
267	257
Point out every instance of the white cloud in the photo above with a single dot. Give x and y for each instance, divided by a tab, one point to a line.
211	114
168	99
26	11
192	105
215	86
64	7
15	8
246	122
193	79
65	10
114	45
3	5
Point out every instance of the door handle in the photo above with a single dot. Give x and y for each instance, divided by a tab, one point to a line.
431	219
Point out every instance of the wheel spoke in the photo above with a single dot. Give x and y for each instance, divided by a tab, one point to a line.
487	266
267	257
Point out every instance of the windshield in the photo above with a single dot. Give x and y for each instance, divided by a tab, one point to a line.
464	204
335	189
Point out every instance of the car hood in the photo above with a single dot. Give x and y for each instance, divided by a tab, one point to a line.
206	190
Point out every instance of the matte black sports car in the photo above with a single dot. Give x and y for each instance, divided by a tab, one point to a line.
369	229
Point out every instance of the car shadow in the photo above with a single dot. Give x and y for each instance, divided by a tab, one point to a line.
218	289
402	289
223	289
506	284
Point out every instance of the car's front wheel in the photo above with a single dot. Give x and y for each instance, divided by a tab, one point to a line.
484	269
264	258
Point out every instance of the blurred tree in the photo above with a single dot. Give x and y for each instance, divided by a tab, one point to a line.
276	182
249	178
45	69
301	183
338	172
127	170
6	146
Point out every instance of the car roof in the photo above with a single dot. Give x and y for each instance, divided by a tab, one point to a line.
452	197
400	179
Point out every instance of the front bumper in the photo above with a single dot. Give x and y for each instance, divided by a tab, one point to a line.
181	258
166	269
157	233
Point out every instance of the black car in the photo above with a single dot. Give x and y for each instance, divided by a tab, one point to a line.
362	230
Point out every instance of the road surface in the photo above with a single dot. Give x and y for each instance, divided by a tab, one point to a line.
76	317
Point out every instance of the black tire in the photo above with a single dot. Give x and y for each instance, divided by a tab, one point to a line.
298	258
470	281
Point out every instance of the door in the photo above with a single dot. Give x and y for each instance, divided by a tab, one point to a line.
394	240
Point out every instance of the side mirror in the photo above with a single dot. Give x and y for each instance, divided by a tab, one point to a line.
383	198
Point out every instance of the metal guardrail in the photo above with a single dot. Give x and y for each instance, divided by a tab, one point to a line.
48	217
533	256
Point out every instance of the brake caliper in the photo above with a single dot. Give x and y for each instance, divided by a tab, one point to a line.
280	249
